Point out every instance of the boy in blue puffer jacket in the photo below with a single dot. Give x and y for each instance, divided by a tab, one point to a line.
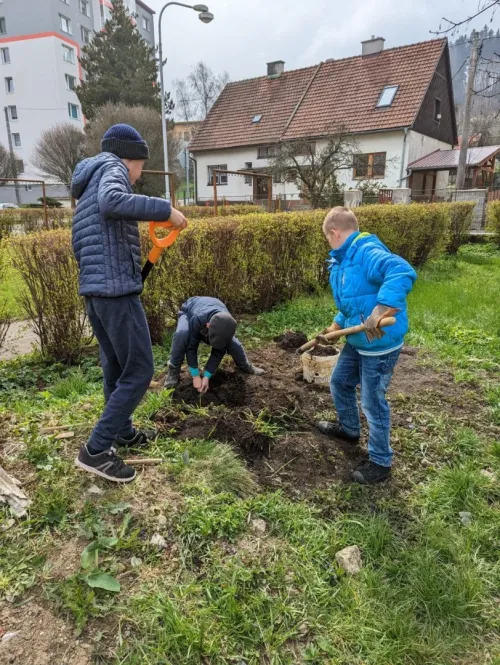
366	280
107	248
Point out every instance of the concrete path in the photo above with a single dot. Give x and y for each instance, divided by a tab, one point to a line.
20	341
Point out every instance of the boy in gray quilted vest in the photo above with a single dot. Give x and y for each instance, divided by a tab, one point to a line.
106	244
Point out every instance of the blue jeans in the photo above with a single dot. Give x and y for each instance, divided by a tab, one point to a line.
121	329
374	373
180	342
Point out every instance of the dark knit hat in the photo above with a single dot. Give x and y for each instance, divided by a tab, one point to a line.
221	330
125	142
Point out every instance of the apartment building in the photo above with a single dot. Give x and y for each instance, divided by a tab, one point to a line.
40	46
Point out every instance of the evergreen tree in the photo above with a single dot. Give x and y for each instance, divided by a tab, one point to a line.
119	66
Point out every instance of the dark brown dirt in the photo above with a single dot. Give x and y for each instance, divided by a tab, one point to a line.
294	454
322	350
291	340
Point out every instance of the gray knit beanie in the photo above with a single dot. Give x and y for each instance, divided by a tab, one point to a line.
221	330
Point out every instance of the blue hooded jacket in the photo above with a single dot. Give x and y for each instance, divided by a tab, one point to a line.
365	273
105	231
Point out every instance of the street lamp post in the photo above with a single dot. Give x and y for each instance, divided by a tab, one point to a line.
205	17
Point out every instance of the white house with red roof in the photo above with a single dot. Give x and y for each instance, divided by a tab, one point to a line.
398	103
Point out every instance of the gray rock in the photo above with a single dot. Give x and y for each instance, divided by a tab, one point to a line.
465	518
349	559
159	541
259	527
95	491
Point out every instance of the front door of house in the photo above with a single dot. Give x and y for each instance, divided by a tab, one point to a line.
260	190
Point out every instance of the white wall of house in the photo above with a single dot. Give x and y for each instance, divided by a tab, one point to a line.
235	159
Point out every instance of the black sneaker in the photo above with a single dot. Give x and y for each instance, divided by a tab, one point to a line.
251	369
106	465
173	377
140	439
369	473
336	431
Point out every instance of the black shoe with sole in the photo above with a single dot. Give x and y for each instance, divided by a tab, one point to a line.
369	473
106	465
335	431
173	377
140	439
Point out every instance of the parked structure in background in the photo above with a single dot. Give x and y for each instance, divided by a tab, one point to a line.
186	131
40	45
397	103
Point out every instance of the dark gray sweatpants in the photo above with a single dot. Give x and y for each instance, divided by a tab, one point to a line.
121	329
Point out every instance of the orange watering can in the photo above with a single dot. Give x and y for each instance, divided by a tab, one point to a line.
159	244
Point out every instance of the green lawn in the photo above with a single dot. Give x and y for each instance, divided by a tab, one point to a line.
10	286
218	593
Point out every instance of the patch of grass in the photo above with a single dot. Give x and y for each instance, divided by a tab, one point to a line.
74	385
221	471
11	286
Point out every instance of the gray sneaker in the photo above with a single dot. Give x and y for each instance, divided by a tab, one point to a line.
173	377
251	369
106	465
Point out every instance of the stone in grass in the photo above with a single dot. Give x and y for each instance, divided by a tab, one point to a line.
465	518
259	527
159	541
349	559
95	491
486	473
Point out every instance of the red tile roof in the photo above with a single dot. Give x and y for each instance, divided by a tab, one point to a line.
311	102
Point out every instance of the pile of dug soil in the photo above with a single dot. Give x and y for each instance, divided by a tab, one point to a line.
270	419
291	340
322	350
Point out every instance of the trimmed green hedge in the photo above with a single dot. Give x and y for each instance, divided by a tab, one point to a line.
493	220
252	262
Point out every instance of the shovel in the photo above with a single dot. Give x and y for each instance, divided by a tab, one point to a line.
337	334
159	244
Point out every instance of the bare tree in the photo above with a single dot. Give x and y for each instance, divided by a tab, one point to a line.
147	121
58	151
7	168
483	6
313	167
196	95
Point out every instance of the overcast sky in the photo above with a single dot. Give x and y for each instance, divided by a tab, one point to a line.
246	35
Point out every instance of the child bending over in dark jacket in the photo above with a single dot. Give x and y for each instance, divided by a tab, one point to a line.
107	249
204	319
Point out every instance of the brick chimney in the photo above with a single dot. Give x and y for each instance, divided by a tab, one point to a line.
372	46
275	69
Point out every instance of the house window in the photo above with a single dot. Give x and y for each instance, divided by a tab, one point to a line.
257	118
74	111
5	56
68	54
65	24
85	7
266	151
187	136
9	84
387	96
248	178
85	35
437	110
370	165
13	113
70	82
221	178
16	140
3	26
19	166
146	23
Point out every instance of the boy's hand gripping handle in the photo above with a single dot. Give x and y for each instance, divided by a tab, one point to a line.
159	244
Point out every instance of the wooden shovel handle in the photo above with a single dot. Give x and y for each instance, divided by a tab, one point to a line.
337	334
